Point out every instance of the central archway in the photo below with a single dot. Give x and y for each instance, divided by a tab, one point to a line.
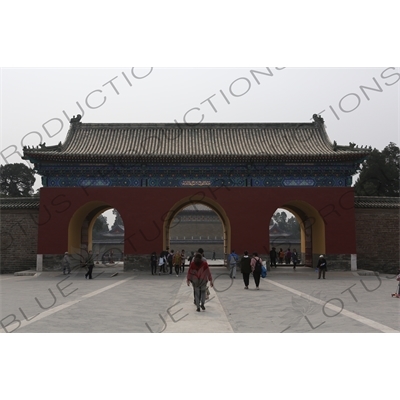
190	201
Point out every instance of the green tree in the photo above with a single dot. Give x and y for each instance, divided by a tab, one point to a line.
118	219
17	180
380	173
293	226
100	226
290	225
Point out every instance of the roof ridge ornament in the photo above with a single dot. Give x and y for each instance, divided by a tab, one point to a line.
76	119
318	120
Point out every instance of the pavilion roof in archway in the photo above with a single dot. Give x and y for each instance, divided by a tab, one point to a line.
206	142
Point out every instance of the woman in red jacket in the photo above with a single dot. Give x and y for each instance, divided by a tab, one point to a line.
199	275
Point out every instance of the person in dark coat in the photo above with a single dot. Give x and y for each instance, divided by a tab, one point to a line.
153	263
295	258
256	271
90	265
288	256
245	268
322	267
183	261
272	257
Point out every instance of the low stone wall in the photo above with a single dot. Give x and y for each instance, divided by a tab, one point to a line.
53	262
139	262
19	232
378	241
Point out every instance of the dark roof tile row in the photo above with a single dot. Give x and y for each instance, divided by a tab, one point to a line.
376	202
218	142
19	203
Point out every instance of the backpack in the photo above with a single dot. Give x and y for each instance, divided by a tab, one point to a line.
258	265
233	259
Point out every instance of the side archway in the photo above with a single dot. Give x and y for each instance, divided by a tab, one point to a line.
80	228
312	230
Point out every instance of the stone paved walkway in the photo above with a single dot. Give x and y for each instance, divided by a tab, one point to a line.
137	302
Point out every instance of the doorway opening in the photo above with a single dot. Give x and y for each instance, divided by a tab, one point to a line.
297	225
89	230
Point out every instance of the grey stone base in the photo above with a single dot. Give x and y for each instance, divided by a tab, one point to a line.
139	262
363	272
368	263
53	262
25	273
335	261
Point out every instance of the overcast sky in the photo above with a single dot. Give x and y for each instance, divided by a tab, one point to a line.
39	100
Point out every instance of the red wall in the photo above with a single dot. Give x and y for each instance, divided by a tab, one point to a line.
249	210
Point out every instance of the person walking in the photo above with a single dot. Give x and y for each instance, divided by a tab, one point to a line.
245	268
397	293
161	262
281	255
66	263
183	261
201	252
295	258
170	261
90	265
199	275
233	259
177	262
322	267
272	257
190	258
153	263
256	265
288	256
164	255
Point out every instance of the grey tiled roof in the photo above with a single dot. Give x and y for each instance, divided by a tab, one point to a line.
376	202
211	142
19	203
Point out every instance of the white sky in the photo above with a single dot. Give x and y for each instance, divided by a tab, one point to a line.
34	100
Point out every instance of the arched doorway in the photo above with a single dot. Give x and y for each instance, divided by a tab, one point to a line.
197	226
284	234
312	231
190	203
107	248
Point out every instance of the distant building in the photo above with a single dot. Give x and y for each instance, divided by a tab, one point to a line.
109	246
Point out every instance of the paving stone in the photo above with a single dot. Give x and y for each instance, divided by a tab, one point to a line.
135	301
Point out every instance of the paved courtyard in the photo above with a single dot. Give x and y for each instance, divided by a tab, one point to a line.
137	302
